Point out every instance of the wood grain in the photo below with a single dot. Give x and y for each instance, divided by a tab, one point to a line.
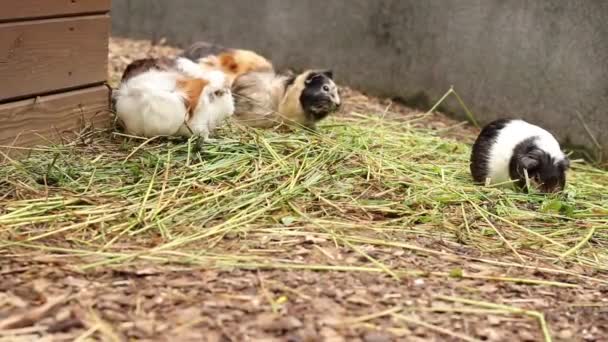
28	9
41	56
53	116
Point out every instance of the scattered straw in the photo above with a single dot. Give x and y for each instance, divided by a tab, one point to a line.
114	194
247	200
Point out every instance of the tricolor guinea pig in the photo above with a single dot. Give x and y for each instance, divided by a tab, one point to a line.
172	97
233	62
508	149
267	99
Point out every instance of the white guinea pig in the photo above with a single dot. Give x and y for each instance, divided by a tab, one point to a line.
507	147
172	98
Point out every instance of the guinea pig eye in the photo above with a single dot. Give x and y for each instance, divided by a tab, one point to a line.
218	93
325	88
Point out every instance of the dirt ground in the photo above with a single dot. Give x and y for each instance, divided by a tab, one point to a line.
45	298
184	304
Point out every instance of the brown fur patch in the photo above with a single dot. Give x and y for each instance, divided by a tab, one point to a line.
193	88
234	62
228	62
238	62
142	65
250	61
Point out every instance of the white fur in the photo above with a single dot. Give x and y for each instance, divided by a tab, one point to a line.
512	134
210	112
194	70
150	105
189	68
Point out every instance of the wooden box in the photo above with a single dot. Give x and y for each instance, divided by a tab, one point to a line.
53	68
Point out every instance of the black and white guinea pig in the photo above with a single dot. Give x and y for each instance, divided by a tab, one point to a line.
507	147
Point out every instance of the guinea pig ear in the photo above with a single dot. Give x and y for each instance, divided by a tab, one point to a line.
328	72
314	74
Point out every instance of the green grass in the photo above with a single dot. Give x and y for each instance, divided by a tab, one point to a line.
114	200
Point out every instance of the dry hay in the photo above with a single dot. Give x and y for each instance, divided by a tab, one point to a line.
371	230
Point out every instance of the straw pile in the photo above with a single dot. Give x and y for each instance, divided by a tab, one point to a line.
385	193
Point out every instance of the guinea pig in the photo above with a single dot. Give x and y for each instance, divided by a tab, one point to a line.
266	99
508	149
157	98
233	62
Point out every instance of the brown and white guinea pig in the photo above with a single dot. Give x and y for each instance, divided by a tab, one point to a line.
507	149
266	99
233	62
172	97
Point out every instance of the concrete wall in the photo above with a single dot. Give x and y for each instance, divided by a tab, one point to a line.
540	60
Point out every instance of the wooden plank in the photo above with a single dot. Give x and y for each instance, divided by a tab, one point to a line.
42	56
53	116
29	9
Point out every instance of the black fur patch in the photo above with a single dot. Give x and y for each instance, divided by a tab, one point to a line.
543	170
516	165
480	155
140	66
316	103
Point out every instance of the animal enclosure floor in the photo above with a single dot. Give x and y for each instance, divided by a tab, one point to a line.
370	231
